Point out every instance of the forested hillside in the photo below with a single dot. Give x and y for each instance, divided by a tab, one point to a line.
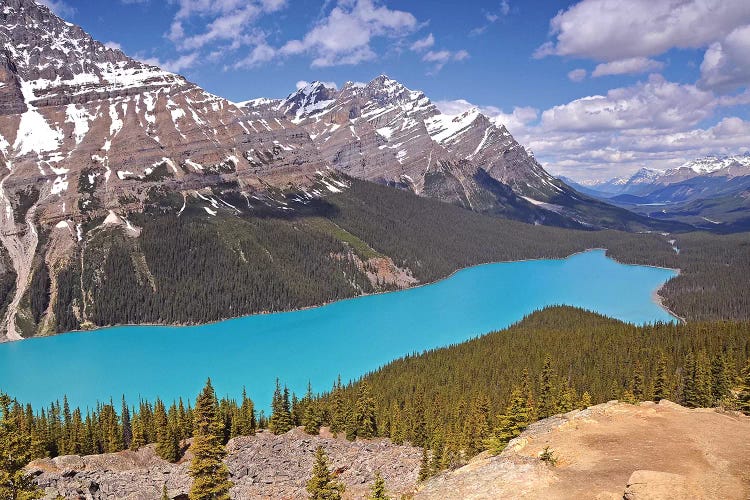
184	265
462	399
454	401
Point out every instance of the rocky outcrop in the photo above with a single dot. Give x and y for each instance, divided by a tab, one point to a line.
614	451
261	466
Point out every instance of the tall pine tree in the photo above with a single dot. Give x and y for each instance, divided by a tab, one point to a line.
208	470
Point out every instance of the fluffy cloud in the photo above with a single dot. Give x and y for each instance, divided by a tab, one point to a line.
577	75
655	104
726	64
344	36
655	123
423	44
612	30
442	57
176	65
59	7
631	65
113	45
516	122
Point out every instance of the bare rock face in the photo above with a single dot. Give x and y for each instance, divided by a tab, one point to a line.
614	451
261	466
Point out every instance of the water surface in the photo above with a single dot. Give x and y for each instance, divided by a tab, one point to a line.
349	338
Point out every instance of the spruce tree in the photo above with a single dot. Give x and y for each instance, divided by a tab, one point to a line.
281	418
168	446
661	389
547	400
637	384
127	429
378	491
321	485
164	493
15	453
365	412
516	418
585	401
704	397
139	433
208	470
719	378
689	394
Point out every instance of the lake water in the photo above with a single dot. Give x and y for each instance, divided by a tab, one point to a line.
349	338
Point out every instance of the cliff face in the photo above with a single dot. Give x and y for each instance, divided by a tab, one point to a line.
614	451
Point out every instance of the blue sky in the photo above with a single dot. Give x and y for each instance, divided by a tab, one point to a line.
595	87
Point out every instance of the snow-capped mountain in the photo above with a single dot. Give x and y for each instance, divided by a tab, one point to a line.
385	132
91	138
715	163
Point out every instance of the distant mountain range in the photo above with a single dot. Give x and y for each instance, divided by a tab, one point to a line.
712	192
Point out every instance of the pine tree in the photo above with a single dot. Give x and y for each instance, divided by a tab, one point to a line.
210	474
637	383
704	397
127	429
168	446
321	485
585	401
281	418
365	412
139	433
689	397
378	491
547	400
661	389
744	392
719	378
164	493
516	418
15	453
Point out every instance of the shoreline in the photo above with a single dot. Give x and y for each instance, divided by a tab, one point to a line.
655	297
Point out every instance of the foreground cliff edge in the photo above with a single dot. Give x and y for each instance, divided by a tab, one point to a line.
612	450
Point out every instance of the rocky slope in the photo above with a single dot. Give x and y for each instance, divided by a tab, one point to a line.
261	466
614	451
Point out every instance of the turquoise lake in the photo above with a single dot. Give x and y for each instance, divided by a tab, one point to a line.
349	338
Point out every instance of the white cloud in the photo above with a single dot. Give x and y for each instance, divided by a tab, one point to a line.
113	45
442	57
726	64
344	36
632	65
176	65
423	44
492	17
59	7
611	30
656	104
304	83
577	75
516	122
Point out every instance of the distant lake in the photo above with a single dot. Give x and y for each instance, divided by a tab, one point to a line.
349	338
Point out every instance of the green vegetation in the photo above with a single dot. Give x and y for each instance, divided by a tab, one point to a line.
459	400
322	485
209	472
378	491
15	453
